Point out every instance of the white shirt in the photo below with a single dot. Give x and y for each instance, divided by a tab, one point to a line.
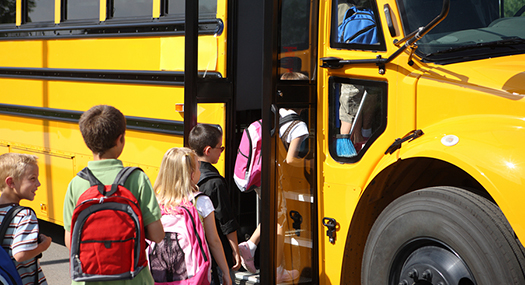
299	130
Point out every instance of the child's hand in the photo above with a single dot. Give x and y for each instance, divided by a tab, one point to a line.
226	280
44	241
237	265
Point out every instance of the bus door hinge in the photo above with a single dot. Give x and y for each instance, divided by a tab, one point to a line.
408	137
331	224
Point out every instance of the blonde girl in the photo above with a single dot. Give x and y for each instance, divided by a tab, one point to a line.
177	184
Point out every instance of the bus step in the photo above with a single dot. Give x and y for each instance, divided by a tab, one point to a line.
247	278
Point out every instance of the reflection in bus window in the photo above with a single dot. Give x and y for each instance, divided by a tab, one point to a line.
132	8
82	9
40	11
8	12
295	37
358	115
176	8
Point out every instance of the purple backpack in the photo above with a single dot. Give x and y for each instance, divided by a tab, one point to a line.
247	170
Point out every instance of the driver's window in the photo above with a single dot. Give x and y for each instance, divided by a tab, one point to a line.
356	25
357	116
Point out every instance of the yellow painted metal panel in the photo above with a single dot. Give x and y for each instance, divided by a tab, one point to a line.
172	53
57	11
156	8
102	11
19	12
63	153
23	53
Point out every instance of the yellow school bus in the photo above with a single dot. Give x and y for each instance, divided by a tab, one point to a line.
411	171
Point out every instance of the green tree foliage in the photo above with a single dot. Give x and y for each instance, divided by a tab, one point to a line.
7	11
512	6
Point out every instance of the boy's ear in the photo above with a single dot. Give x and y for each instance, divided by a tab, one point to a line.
120	139
206	150
10	181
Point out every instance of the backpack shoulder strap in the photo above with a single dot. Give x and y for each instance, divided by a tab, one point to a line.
86	174
288	130
123	175
8	218
289	118
121	178
195	230
206	176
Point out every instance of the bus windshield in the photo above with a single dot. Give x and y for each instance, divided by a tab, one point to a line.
472	29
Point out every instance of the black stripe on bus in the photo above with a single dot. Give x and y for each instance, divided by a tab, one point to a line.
133	123
104	29
103	75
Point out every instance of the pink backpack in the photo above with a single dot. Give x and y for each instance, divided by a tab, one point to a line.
247	171
182	257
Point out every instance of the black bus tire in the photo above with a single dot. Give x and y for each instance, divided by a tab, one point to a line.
442	235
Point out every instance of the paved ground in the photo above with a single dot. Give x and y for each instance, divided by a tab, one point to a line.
55	262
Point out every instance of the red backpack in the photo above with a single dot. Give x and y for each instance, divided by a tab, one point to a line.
107	231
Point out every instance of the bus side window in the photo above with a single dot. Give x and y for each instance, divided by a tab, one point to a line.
82	9
8	15
40	11
176	9
357	117
131	8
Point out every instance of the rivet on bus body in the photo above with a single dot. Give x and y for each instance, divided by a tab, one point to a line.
449	140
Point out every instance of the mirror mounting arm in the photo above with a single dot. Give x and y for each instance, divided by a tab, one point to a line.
410	41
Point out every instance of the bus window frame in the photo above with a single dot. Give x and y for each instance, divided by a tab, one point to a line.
332	81
333	32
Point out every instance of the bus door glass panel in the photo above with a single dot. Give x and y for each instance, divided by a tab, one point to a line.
357	116
295	148
356	25
295	145
296	41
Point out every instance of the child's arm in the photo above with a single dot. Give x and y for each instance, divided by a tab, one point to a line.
232	239
67	239
155	231
293	150
42	246
216	247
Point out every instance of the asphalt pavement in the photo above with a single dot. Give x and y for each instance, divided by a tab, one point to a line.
55	260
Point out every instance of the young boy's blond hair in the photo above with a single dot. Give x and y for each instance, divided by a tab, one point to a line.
14	165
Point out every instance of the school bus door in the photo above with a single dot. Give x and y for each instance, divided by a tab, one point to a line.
293	207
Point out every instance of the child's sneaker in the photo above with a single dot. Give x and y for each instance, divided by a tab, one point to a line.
287	276
246	257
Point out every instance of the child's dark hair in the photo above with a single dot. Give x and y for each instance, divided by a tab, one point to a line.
203	135
101	126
